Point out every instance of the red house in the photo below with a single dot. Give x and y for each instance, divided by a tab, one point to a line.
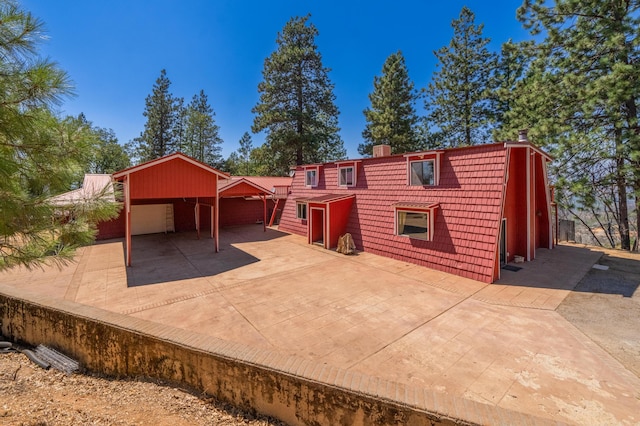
465	211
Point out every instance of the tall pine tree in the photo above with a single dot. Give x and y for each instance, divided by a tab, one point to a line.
392	118
244	153
458	95
40	154
158	138
297	104
580	98
202	141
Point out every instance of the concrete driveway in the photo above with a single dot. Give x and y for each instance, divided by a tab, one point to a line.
501	344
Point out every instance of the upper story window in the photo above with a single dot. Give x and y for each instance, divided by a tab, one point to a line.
346	176
347	172
423	169
311	177
422	172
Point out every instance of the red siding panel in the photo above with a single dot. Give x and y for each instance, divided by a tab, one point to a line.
176	178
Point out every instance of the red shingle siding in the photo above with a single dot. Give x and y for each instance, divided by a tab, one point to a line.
466	224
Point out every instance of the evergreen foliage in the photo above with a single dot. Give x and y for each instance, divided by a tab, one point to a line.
580	98
392	118
158	138
297	105
202	141
41	155
458	96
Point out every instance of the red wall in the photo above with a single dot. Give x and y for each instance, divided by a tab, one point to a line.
176	178
515	208
238	211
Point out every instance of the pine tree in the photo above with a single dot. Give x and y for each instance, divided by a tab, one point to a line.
392	117
297	105
40	154
244	153
158	138
202	139
458	95
580	98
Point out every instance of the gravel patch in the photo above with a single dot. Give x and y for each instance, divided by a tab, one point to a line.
32	396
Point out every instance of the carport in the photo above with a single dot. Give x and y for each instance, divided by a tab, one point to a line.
164	181
244	188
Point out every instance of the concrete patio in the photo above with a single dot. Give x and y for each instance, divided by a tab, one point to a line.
501	344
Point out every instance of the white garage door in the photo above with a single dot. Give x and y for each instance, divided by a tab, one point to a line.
151	218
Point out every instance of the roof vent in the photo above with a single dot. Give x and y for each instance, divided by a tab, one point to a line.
522	135
381	150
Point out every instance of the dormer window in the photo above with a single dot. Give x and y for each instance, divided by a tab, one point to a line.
422	173
311	176
423	169
347	173
346	176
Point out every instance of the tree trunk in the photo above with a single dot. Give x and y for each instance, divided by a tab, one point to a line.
621	185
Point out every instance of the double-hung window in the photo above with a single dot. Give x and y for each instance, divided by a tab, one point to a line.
311	177
301	211
346	176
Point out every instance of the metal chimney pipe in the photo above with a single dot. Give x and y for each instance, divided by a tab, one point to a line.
522	135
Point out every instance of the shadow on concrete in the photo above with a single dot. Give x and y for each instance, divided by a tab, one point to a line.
561	268
161	258
622	276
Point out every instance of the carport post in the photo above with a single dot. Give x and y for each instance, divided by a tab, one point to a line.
198	217
264	220
217	216
127	210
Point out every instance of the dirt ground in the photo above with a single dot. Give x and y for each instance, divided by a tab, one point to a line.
31	396
605	306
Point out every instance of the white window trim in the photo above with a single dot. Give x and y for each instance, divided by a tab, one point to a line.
434	156
430	222
353	171
306	210
435	171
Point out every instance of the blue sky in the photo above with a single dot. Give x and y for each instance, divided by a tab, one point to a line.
114	51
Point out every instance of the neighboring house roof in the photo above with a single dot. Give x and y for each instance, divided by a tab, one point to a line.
267	182
93	185
247	186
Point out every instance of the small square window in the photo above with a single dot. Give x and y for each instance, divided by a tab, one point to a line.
346	176
422	173
311	177
412	224
301	211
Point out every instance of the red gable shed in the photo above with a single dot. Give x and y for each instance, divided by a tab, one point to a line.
174	176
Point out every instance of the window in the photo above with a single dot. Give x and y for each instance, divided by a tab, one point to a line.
311	177
422	173
346	176
301	211
412	224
